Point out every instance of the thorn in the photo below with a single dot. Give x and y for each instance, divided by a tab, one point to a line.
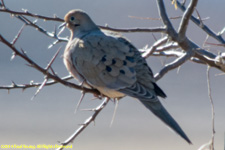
200	19
40	88
30	65
81	124
222	31
24	52
178	69
13	56
55	30
54	43
153	35
53	72
18	35
31	82
13	84
53	59
62	28
12	15
35	21
183	3
114	113
3	4
23	89
90	109
79	102
94	122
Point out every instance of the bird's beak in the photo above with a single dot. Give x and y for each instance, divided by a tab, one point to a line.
62	25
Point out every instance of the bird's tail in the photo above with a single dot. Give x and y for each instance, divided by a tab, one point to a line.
158	109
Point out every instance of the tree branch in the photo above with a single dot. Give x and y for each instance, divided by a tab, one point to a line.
44	71
176	63
185	19
96	110
31	84
205	28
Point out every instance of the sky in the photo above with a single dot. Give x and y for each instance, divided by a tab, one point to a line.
50	117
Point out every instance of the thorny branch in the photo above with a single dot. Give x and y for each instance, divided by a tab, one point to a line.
96	111
44	71
185	49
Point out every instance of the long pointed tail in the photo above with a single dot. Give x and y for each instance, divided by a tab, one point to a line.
158	109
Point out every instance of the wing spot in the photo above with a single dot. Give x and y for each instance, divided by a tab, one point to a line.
124	63
113	61
103	58
131	59
122	71
109	69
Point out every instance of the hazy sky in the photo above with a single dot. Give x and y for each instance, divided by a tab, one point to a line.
50	116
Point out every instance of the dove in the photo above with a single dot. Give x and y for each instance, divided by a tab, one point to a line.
112	65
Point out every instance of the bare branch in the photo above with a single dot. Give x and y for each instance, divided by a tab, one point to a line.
211	33
42	70
26	13
163	14
157	29
169	46
33	24
185	19
148	52
212	107
176	63
96	110
157	19
32	85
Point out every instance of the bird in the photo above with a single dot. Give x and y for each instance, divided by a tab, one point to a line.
113	65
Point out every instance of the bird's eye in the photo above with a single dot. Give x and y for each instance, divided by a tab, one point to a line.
72	18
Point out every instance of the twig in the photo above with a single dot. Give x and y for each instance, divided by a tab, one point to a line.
18	35
40	88
149	51
176	63
32	85
163	14
42	30
26	13
148	18
185	43
157	29
96	110
215	44
212	107
42	70
79	102
185	19
53	59
168	46
205	28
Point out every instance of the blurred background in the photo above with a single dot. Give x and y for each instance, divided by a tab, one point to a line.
50	117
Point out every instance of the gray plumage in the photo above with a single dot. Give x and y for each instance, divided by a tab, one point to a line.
112	65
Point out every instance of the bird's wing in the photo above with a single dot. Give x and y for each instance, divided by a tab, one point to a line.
104	62
113	63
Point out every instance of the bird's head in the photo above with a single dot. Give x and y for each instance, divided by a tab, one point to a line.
78	21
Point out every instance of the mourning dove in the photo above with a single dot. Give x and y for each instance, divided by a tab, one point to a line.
112	65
